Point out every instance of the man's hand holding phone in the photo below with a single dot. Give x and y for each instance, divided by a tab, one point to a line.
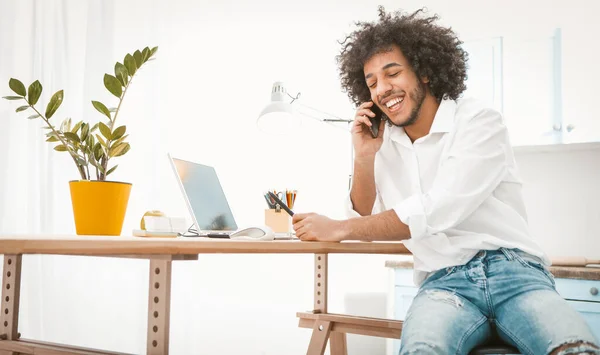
368	123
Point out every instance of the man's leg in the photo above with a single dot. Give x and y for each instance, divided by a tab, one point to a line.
531	315
441	322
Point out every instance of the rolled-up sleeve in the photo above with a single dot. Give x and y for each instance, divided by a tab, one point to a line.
377	206
471	170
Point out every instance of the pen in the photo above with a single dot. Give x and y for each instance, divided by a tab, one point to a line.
281	204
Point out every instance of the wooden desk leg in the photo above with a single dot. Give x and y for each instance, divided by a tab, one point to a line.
318	340
11	290
159	307
320	305
337	344
337	341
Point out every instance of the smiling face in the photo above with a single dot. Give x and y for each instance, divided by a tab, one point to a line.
394	86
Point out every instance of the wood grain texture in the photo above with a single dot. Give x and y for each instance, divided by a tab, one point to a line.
377	327
338	344
121	245
11	291
319	338
34	347
580	273
563	272
159	307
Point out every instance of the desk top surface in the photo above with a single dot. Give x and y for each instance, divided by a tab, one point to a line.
124	245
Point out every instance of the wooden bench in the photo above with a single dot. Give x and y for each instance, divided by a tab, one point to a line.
336	326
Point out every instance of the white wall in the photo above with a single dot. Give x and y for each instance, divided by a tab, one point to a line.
199	100
563	199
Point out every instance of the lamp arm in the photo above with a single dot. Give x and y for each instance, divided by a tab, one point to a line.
334	119
328	116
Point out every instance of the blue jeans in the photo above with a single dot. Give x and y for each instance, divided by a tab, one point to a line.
502	293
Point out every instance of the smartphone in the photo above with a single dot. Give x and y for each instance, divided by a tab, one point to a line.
375	121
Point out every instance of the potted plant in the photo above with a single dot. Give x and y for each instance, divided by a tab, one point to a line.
99	205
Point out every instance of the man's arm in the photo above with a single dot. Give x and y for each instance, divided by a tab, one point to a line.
363	191
384	226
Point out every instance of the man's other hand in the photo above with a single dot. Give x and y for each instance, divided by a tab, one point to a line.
315	227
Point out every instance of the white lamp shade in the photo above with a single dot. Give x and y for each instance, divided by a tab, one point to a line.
278	116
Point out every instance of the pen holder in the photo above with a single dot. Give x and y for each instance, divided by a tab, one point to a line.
278	220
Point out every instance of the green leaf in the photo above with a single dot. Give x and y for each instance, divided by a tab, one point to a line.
121	73
145	54
101	140
118	133
65	125
52	139
90	141
54	103
153	50
21	108
119	150
101	108
34	93
120	139
60	148
13	97
17	86
98	151
111	170
138	59
72	137
85	130
32	117
94	127
100	168
80	161
113	85
77	127
130	64
104	130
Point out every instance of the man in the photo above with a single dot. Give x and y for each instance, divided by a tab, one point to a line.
441	177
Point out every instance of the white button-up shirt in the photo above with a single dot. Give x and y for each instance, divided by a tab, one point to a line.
457	188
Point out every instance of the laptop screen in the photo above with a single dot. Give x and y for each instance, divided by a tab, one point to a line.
205	196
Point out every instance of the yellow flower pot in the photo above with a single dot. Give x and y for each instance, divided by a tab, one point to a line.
99	206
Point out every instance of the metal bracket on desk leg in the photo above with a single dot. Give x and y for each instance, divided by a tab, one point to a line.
159	307
320	305
11	290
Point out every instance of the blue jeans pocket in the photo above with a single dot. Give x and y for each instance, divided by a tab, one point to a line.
537	266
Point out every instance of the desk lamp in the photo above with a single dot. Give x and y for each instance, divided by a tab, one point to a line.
278	117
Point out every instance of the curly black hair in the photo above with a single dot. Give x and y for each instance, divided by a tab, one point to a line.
432	51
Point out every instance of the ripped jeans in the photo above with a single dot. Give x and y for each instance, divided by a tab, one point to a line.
502	293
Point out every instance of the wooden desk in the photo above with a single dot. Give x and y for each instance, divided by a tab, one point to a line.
161	252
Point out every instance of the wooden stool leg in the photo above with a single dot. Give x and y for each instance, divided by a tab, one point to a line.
337	344
318	340
159	307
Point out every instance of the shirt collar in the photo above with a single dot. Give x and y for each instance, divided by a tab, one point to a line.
443	122
444	117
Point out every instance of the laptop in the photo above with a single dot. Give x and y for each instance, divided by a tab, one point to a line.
204	197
